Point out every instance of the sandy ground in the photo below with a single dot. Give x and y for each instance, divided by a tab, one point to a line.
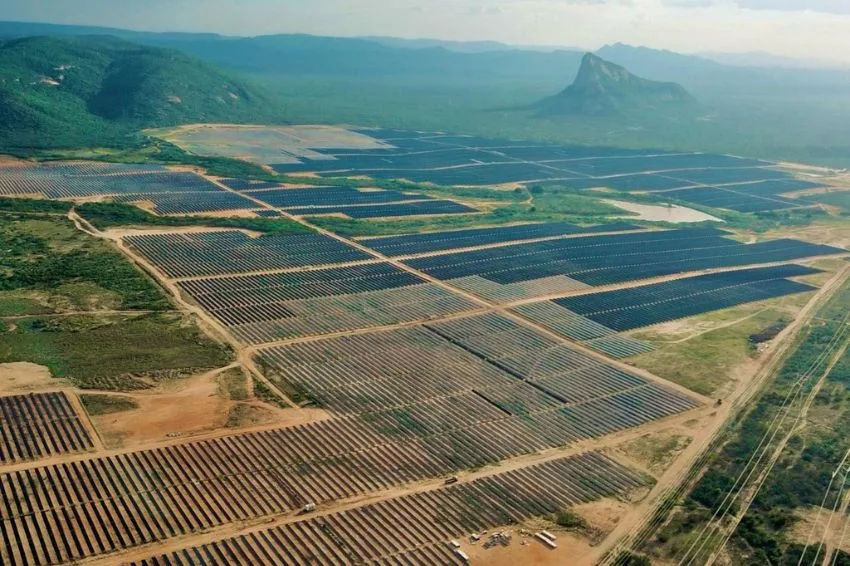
573	548
185	408
221	214
802	167
830	233
24	377
821	526
118	233
653	213
528	551
188	408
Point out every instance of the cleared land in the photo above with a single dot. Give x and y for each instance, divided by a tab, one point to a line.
367	371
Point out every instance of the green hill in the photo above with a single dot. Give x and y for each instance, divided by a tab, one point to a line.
83	91
602	88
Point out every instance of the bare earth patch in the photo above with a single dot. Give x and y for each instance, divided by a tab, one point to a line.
655	213
186	408
836	537
572	549
21	377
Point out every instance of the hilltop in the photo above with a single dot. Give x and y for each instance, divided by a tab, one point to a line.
95	90
602	88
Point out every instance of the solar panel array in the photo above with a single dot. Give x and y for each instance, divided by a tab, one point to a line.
189	254
413	529
38	425
635	307
605	259
715	180
453	374
412	244
178	192
267	308
419	208
594	319
76	180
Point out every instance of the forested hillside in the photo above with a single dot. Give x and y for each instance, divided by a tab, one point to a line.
63	92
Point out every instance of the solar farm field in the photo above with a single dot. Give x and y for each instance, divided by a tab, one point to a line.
419	208
444	377
719	181
266	308
414	244
414	529
720	197
840	199
216	253
97	179
329	196
190	202
383	395
643	306
594	319
514	271
38	425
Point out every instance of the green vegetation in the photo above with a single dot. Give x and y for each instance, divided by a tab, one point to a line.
246	414
703	363
803	472
47	255
566	519
97	405
113	352
233	384
93	91
265	394
34	205
631	559
13	304
548	207
104	215
656	451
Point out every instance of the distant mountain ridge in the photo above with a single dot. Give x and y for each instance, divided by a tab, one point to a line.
335	57
602	88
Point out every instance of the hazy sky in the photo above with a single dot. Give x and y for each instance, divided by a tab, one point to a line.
804	28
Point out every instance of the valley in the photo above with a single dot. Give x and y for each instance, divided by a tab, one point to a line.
294	299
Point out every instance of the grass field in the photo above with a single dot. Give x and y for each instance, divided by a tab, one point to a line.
704	363
96	405
49	256
113	352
